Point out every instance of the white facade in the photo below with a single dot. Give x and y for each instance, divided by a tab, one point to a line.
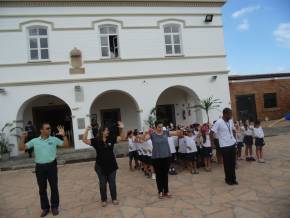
142	76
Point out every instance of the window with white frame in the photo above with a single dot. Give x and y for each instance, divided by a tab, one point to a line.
109	41
38	43
172	38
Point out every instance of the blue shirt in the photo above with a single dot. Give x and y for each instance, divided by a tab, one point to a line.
44	149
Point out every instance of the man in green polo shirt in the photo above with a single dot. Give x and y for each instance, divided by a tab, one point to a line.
45	148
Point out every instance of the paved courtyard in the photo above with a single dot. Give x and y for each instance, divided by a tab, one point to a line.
264	191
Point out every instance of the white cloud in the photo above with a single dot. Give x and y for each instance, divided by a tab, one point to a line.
246	10
282	34
244	26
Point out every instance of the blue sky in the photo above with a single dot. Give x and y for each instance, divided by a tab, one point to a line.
257	36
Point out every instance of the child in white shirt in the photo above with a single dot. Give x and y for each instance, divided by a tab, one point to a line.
207	150
191	151
259	141
182	151
132	150
172	141
248	140
240	140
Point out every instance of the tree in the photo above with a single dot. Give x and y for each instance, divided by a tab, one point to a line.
208	104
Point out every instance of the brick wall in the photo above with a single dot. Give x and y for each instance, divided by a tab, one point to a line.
280	86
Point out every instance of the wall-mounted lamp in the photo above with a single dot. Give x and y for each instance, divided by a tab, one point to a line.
3	91
208	18
213	78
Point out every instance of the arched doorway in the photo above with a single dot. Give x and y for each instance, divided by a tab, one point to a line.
175	105
46	108
114	105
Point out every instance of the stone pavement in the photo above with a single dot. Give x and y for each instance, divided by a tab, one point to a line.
264	191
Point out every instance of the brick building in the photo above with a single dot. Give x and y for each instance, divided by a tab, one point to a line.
264	96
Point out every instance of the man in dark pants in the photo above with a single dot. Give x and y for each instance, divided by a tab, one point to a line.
45	147
225	130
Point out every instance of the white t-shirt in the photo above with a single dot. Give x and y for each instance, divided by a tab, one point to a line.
138	146
171	143
182	146
240	136
207	142
148	147
258	132
224	131
249	131
132	145
190	144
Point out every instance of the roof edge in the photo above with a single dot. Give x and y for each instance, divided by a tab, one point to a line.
258	76
67	3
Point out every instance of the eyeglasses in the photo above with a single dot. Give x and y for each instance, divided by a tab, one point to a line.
48	128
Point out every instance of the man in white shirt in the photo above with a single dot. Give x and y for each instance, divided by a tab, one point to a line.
224	129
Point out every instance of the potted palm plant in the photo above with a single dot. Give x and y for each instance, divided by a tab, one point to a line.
5	146
208	104
4	149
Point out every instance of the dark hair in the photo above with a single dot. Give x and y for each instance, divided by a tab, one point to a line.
157	122
257	122
227	110
44	123
29	122
129	133
100	132
246	126
203	137
135	133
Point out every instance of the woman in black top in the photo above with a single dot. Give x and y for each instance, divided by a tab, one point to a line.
106	165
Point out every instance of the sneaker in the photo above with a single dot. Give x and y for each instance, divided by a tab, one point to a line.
262	160
104	203
235	183
153	176
194	172
54	211
229	183
44	213
115	202
160	195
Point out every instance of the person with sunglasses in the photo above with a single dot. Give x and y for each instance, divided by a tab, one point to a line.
45	148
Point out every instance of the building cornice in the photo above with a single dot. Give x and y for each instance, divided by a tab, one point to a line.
93	23
98	79
107	15
44	63
132	3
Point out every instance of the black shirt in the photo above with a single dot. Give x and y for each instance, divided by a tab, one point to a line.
105	154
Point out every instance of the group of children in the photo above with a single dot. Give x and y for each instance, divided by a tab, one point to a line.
194	147
247	134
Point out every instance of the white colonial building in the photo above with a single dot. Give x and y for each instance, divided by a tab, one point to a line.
67	62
